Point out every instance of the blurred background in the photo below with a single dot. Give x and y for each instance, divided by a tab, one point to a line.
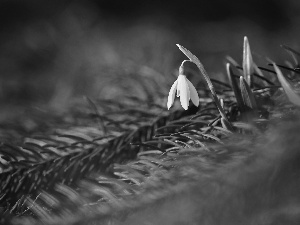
52	51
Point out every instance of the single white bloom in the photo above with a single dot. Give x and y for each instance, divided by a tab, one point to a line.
185	90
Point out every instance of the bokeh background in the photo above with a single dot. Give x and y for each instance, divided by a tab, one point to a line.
52	51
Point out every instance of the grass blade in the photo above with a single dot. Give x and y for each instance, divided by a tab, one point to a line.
234	86
247	95
292	96
292	52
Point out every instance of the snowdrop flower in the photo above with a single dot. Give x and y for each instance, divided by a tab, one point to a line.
185	90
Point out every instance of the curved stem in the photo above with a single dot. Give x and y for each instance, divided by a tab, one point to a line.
195	60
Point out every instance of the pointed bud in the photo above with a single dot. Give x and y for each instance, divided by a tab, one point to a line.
248	68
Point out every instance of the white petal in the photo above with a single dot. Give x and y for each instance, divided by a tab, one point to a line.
184	91
193	93
172	95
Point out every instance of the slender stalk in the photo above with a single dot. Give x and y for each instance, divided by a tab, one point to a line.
195	60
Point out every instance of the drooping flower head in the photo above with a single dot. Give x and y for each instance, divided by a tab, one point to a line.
185	90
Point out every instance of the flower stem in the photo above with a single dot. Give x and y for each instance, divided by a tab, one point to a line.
195	60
